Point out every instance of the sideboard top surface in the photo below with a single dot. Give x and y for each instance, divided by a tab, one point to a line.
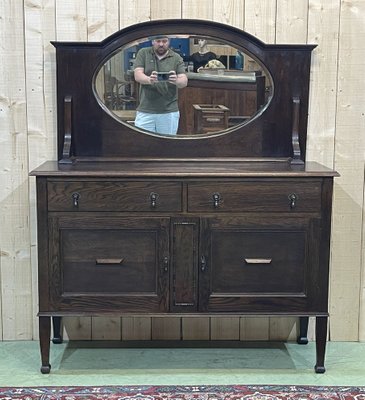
184	168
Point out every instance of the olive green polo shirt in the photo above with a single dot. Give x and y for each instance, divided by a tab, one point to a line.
160	97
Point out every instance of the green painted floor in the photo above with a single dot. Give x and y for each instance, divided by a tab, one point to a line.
110	363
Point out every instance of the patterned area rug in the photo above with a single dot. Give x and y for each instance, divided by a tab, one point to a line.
237	392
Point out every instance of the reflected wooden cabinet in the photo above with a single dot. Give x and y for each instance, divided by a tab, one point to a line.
242	99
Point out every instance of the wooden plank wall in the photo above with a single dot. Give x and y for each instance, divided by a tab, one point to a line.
27	137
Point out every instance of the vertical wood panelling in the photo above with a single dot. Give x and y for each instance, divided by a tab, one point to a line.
102	19
323	25
136	328
202	9
41	99
260	19
165	9
291	17
230	12
335	138
349	160
195	328
134	11
71	20
15	274
362	277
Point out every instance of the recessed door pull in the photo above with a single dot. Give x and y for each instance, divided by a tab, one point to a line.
258	260
109	261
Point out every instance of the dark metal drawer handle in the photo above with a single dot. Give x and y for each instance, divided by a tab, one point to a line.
75	199
109	261
216	199
258	260
153	199
293	200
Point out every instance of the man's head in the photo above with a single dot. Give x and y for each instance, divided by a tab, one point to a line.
160	44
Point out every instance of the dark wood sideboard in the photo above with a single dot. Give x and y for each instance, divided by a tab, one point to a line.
231	224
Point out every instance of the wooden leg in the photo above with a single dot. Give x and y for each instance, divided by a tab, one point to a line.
57	336
321	337
303	330
44	340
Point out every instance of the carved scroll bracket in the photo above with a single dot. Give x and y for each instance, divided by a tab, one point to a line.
297	156
67	137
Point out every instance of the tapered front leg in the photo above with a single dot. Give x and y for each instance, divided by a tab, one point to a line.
44	340
303	330
321	338
57	336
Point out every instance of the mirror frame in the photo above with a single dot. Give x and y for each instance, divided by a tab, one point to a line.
86	131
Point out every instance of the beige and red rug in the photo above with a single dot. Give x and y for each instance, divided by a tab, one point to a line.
218	392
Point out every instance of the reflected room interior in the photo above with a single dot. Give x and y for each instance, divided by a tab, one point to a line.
230	94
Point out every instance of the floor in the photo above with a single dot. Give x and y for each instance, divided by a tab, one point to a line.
114	363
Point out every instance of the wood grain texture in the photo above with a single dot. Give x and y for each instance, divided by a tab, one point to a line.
347	262
15	268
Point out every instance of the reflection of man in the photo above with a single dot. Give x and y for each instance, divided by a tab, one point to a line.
158	106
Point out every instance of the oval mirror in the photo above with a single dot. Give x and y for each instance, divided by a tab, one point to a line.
227	87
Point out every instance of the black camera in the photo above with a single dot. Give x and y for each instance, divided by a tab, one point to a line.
163	76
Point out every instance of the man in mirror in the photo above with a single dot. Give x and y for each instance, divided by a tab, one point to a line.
160	72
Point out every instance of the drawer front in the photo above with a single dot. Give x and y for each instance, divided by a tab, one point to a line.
114	196
117	263
258	261
255	265
255	196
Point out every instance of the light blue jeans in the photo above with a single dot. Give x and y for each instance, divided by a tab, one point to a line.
166	124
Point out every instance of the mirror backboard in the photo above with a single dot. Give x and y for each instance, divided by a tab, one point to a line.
263	97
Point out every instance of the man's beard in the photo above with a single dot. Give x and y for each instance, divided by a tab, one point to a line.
161	51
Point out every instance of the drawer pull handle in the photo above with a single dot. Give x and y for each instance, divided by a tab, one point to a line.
258	260
153	198
216	199
75	199
293	199
109	261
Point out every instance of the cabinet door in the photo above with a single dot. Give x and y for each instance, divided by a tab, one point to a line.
261	265
108	264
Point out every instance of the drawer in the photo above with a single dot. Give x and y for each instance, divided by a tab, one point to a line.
108	263
109	260
258	196
258	261
114	196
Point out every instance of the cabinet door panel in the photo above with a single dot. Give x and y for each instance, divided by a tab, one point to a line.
108	263
184	274
260	265
258	261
